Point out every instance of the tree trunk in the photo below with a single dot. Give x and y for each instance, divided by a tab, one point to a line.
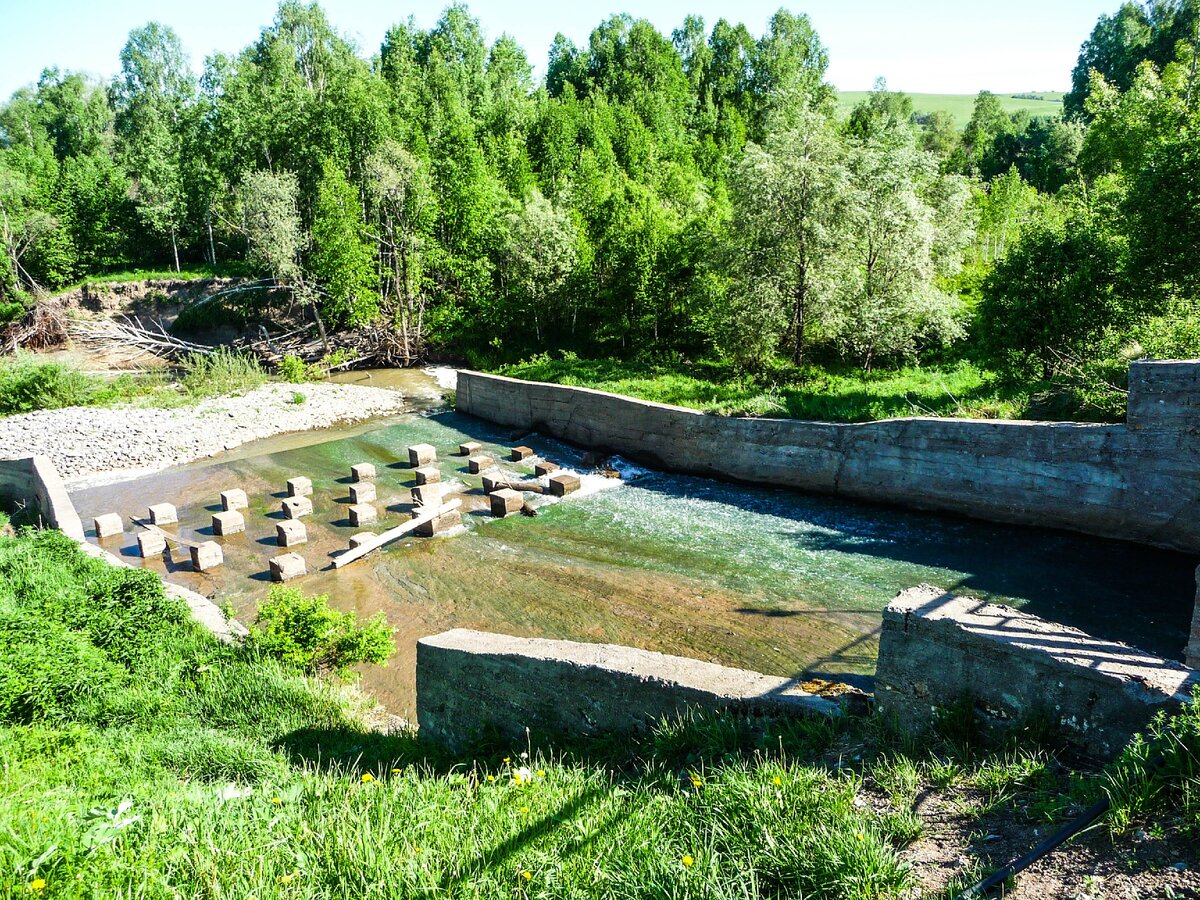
798	313
212	248
174	248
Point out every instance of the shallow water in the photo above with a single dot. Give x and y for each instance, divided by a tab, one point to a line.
771	580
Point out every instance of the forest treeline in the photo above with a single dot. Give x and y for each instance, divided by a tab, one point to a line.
693	194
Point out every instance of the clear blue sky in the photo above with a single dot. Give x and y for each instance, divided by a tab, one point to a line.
918	45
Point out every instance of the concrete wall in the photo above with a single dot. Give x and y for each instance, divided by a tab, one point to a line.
33	484
469	682
936	647
1138	482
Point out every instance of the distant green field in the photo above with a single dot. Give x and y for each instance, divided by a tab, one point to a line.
960	105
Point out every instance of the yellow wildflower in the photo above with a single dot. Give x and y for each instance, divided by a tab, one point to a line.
527	875
367	778
778	781
287	879
277	801
507	760
491	778
688	860
541	773
396	771
37	885
696	782
859	836
524	809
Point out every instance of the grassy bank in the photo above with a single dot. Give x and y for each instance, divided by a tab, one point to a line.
140	758
811	392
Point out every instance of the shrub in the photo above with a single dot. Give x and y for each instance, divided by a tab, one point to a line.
293	369
223	371
306	633
28	384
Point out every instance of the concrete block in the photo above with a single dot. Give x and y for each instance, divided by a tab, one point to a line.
935	648
299	487
564	483
287	567
519	453
362	471
505	502
428	475
470	681
206	556
477	464
495	482
470	448
295	507
422	455
363	492
545	468
361	538
108	524
440	524
150	544
163	514
234	499
428	494
362	513
228	522
291	533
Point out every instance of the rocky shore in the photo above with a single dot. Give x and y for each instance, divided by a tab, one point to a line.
88	441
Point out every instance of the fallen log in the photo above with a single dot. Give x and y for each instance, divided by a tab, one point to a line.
392	534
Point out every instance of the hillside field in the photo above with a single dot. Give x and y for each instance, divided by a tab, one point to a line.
960	105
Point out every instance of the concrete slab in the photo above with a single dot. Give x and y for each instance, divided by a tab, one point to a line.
234	498
150	544
108	524
564	483
287	567
206	556
361	538
362	471
163	514
291	533
470	448
363	492
505	502
362	513
228	522
477	464
520	453
428	475
296	507
440	524
299	486
422	455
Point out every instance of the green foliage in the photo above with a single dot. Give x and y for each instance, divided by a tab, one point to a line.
221	372
296	371
307	633
28	384
342	260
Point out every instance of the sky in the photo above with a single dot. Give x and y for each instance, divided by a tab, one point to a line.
919	46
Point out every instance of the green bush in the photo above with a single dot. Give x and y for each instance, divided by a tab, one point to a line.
221	372
28	384
294	370
11	312
306	633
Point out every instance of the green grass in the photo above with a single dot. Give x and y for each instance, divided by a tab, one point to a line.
187	273
812	392
960	106
141	758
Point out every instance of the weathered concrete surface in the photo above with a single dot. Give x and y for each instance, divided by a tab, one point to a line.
206	556
468	681
1137	482
363	492
362	471
291	533
362	514
505	501
108	524
234	499
422	455
936	647
296	507
564	483
545	468
163	514
287	567
470	448
228	522
1191	655
151	544
428	475
299	486
519	453
479	464
33	483
438	524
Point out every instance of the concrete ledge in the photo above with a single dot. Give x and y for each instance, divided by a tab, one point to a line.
34	481
470	681
936	647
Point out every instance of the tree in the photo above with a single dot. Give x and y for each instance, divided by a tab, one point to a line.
540	254
272	223
342	262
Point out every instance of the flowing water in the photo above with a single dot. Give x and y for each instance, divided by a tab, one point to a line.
771	580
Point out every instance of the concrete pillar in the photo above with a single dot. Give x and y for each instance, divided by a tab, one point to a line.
363	492
163	514
422	455
151	544
362	513
428	494
428	475
361	538
234	499
545	468
108	524
1192	654
287	567
299	487
206	556
505	502
295	507
291	533
477	464
362	472
564	483
520	453
470	448
228	522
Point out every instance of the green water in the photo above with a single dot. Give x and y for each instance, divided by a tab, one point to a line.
767	579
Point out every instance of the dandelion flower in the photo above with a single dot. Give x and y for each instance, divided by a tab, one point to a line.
491	778
287	879
527	875
688	860
541	773
277	801
507	760
859	836
778	781
696	782
37	885
367	778
524	809
396	771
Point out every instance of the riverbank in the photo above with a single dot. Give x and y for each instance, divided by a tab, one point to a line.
84	442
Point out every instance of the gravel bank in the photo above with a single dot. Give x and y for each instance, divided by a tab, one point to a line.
87	441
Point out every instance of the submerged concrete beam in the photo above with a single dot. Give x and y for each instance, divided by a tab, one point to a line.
469	681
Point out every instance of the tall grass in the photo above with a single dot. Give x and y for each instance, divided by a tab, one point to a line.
223	371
